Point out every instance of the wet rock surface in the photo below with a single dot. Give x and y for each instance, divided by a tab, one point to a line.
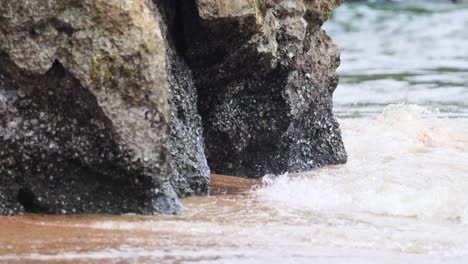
265	74
96	114
60	153
109	106
189	168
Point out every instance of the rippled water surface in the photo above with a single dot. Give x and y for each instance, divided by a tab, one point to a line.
414	53
402	197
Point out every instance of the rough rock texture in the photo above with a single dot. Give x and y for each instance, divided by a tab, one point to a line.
108	106
265	74
189	165
94	117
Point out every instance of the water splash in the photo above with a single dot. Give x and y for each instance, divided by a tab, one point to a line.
404	163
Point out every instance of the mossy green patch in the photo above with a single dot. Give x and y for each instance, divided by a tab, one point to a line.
114	73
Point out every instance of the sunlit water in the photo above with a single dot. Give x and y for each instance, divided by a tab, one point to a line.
402	197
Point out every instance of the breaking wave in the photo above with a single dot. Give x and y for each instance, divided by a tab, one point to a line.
404	163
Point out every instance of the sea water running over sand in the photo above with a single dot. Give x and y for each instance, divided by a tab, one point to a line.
402	198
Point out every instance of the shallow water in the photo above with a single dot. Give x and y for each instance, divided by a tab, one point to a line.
403	108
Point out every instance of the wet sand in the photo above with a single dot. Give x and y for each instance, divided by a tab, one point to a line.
221	184
82	239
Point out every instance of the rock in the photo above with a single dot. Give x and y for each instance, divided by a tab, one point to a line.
265	74
96	117
190	171
108	106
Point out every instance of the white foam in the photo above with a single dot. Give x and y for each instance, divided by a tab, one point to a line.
404	163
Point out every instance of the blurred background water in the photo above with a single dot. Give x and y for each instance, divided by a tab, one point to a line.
412	52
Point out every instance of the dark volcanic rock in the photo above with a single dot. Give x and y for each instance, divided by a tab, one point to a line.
265	75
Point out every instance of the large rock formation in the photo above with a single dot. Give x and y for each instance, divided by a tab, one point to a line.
265	74
98	114
99	99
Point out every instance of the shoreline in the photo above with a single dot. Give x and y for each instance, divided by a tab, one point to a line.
223	184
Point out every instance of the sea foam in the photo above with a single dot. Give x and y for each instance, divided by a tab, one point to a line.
404	163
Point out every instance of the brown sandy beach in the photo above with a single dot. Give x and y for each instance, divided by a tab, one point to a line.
75	239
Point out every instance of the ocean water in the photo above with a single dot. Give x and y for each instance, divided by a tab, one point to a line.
414	52
402	198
